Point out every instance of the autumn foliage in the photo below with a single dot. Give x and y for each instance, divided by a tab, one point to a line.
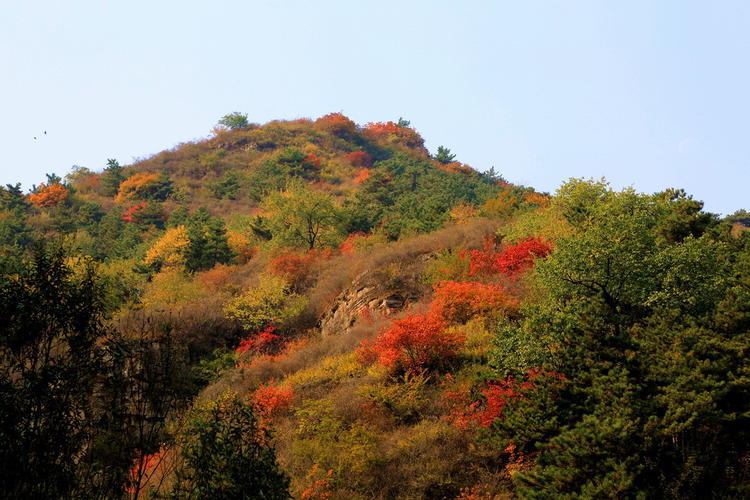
294	267
336	124
270	400
362	176
457	301
511	260
136	186
392	132
413	344
48	196
359	159
263	342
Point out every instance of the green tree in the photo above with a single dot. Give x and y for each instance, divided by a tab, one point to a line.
208	242
234	120
226	455
112	177
301	217
444	155
652	382
49	362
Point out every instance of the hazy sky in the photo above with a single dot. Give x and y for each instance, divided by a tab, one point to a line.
649	94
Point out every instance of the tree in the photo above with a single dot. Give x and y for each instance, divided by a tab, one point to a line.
301	217
208	242
234	120
145	186
444	155
226	455
49	361
112	177
654	395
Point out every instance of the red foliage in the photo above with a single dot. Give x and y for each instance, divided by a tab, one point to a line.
467	414
337	124
312	160
519	257
131	213
457	301
143	468
48	196
512	260
413	344
270	401
263	342
359	159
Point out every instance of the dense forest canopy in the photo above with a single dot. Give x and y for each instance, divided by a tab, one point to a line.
325	310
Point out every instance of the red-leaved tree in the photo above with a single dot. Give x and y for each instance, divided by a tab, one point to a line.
457	301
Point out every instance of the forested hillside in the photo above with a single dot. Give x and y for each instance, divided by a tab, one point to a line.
325	310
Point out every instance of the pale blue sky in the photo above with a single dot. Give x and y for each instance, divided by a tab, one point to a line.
649	94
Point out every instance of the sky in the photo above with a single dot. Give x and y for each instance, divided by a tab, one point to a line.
646	94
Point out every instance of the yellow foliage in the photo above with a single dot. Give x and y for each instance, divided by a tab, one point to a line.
169	289
269	302
169	250
478	338
240	245
502	205
332	369
463	212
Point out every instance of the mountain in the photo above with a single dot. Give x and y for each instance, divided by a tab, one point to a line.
327	309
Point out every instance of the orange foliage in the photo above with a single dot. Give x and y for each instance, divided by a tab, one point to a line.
270	401
535	198
135	184
294	267
413	344
362	176
336	124
48	196
320	489
217	278
391	132
459	301
359	159
455	167
143	469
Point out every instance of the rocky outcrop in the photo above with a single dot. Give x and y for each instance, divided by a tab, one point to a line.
364	296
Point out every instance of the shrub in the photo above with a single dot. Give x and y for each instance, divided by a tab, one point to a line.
459	301
268	303
362	176
413	344
270	401
512	260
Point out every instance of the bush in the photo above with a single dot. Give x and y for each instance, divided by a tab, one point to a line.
413	344
460	301
268	303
